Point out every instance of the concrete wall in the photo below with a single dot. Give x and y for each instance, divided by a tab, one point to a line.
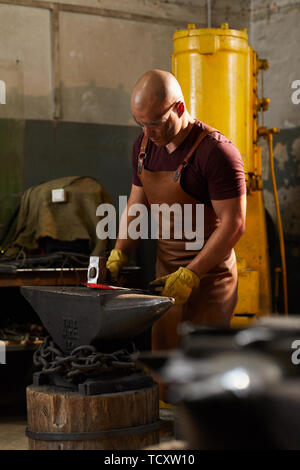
286	164
101	63
100	57
275	35
81	65
25	62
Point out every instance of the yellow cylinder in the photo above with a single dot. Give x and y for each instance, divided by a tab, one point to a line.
217	71
215	68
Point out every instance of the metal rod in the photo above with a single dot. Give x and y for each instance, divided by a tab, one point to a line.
209	13
279	223
262	96
24	270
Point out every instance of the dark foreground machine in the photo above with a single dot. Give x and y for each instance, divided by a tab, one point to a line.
235	389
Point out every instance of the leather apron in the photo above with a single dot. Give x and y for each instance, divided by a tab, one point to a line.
213	301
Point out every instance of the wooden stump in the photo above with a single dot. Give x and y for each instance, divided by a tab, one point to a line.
64	420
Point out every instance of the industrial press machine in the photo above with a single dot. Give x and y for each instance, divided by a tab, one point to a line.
218	73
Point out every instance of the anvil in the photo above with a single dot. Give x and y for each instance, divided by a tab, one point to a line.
76	316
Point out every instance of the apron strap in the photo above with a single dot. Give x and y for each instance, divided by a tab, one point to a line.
142	155
184	163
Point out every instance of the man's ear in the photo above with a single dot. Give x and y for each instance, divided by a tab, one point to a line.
180	108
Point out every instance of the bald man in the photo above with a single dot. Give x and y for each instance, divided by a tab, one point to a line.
178	159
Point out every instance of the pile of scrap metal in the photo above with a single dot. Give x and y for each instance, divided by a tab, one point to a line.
58	260
22	334
235	389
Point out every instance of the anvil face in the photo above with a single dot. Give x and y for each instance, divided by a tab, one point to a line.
76	316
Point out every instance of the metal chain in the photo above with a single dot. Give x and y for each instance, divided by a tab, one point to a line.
83	361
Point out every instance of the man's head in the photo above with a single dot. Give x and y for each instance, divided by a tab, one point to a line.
158	106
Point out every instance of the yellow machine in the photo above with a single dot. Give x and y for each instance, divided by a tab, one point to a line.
218	73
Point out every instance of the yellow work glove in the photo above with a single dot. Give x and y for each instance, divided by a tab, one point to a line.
178	285
116	260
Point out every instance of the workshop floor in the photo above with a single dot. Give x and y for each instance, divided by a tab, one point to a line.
12	433
12	430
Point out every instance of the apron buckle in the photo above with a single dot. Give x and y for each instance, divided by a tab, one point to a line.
179	170
141	159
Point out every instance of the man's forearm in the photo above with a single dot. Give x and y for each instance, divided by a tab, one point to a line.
216	248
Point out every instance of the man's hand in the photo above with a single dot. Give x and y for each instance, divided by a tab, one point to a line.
117	259
178	284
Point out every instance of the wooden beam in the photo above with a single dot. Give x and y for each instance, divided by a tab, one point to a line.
29	3
118	14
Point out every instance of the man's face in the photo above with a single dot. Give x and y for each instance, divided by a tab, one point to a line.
160	123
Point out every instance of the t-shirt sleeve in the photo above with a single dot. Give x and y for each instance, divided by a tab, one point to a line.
224	172
135	151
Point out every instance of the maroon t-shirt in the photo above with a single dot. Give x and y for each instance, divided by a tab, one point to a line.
214	172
